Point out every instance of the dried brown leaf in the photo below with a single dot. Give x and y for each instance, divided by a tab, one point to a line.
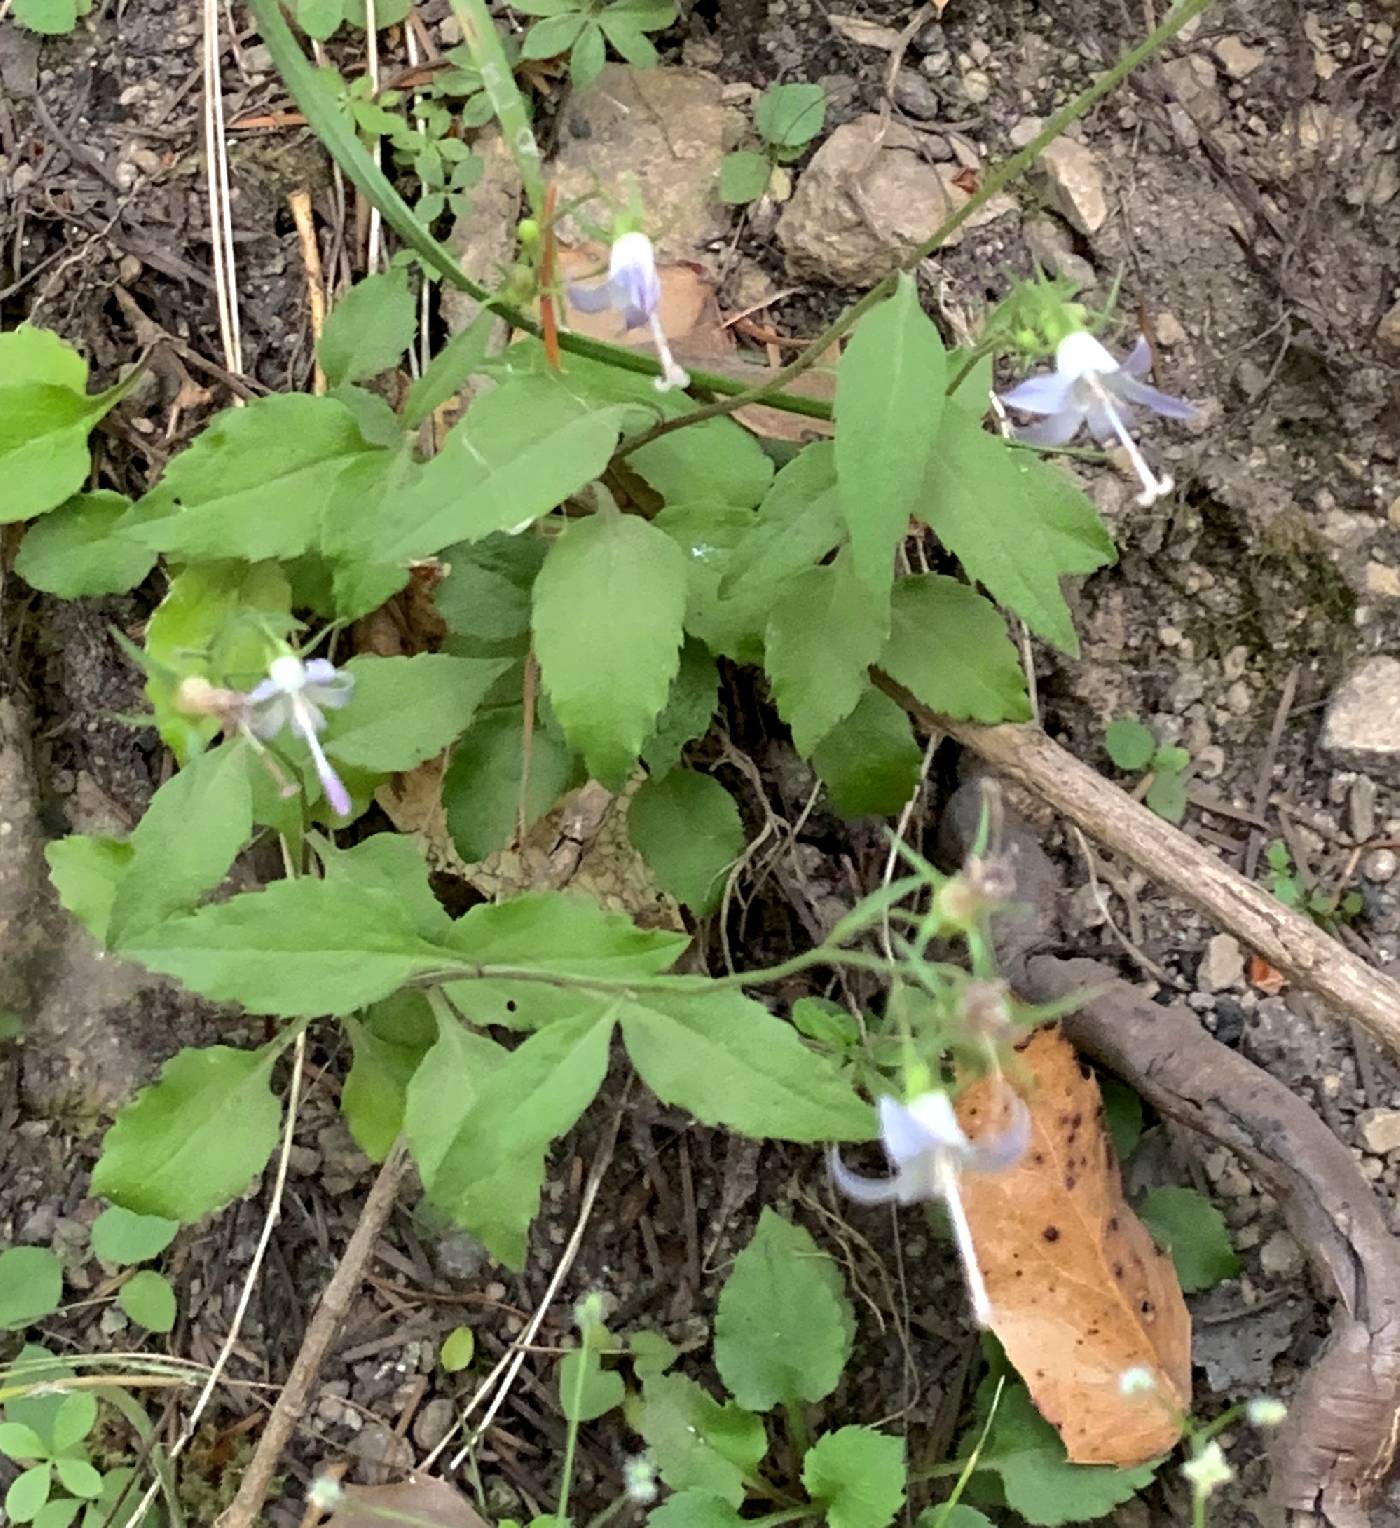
1079	1292
431	1503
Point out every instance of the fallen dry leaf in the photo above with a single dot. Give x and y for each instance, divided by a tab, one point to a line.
1264	977
430	1502
1079	1292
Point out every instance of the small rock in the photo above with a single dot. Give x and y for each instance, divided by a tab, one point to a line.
258	59
1073	184
1222	966
1169	330
1361	808
865	34
1195	86
869	196
1023	131
1382	581
936	65
1236	58
433	1423
1362	727
1281	1257
377	1443
449	31
1051	246
914	94
1380	866
1380	1130
977	86
1388	331
929	38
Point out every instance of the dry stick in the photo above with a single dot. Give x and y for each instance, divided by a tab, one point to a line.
220	198
1286	939
242	1512
300	203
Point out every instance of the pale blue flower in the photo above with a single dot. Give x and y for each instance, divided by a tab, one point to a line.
1088	387
633	288
928	1150
294	696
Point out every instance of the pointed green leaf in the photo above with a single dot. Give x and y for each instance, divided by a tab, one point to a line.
442	1092
1017	524
783	1326
609	604
481	789
690	708
372	1099
823	635
889	397
950	649
695	1440
686	826
457	1350
86	870
75	551
1193	1230
194	1139
870	762
694	1509
587	1391
450	369
730	1062
368	329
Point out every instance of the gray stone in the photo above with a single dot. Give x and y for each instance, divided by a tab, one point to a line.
914	94
1388	331
1281	1257
1380	865
1380	1131
1051	246
1194	83
433	1423
867	198
1362	726
1223	965
1070	176
378	1443
665	127
1237	58
258	59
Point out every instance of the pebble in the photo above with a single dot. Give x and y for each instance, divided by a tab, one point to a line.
929	37
1361	808
914	94
258	59
1223	964
1281	1257
1169	330
433	1423
1194	83
377	1443
1380	1130
977	87
1361	729
1380	865
1382	581
1237	58
450	31
1074	186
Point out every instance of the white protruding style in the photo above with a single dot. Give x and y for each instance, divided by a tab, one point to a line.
633	288
295	695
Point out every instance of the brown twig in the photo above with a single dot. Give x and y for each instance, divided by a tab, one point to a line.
1286	939
242	1512
300	203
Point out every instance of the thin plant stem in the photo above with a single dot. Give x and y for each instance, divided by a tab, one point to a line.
996	181
571	1436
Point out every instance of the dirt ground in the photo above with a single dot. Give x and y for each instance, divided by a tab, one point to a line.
1254	221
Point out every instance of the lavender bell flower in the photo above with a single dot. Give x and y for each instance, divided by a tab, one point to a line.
294	695
928	1149
634	289
1089	387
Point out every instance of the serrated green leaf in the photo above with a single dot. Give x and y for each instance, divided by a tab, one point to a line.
730	1062
743	177
458	1349
368	329
255	483
689	709
587	1391
858	1474
889	398
442	1091
687	828
450	369
28	354
485	595
31	1286
788	116
195	825
870	762
319	18
296	948
74	550
150	1302
949	648
481	788
86	870
730	463
698	1444
822	637
519	452
694	1509
377	423
490	1176
783	1324
825	1022
406	710
28	1494
1129	743
608	610
1017	524
1193	1230
121	1236
194	1139
1025	1451
393	864
708	534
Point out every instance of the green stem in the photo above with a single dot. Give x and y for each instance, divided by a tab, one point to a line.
996	181
571	1437
798	1436
788	1515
